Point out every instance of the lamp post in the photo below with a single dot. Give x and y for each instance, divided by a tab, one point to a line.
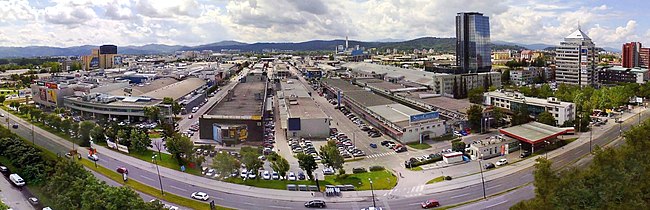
521	150
33	142
546	149
482	178
591	133
372	190
153	158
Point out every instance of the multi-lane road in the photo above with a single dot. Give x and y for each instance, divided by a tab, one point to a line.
244	197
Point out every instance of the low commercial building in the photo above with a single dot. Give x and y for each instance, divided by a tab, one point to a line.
617	74
533	135
301	116
50	93
238	117
562	111
492	147
398	121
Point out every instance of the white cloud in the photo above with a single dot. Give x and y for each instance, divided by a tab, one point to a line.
14	10
618	35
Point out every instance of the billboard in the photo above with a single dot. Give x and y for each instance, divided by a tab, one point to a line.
51	95
216	132
294	124
424	116
117	60
43	94
94	62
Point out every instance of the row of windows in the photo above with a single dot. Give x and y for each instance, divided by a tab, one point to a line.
422	128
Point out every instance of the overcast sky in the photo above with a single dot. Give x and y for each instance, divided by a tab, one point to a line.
192	22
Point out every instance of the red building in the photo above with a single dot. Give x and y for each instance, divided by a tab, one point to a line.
644	57
631	54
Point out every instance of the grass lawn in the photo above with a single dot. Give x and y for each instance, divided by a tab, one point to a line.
381	180
167	161
272	184
416	168
154	135
180	200
437	179
416	145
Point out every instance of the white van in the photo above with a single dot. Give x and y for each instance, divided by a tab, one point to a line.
17	180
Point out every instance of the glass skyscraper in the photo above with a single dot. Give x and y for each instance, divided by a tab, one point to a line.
473	50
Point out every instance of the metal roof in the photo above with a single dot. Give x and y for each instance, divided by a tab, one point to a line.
534	132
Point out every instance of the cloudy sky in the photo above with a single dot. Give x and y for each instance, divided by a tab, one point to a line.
192	22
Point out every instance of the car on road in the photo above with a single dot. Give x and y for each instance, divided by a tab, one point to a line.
373	145
200	196
266	175
4	169
373	208
489	166
430	204
15	126
122	170
292	176
190	117
93	157
315	204
502	162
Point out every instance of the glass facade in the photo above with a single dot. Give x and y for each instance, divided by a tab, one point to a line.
473	50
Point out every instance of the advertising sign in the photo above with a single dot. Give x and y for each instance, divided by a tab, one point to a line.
94	62
51	85
42	94
51	95
424	116
117	60
243	133
216	132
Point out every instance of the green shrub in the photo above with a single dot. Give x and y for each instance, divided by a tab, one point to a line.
341	171
448	178
377	168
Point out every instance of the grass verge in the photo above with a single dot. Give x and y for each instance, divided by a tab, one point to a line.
272	184
416	145
164	160
416	168
437	179
137	186
381	180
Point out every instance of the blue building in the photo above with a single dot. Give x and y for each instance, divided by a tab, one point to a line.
473	51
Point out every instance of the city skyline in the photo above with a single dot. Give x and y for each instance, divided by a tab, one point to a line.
64	23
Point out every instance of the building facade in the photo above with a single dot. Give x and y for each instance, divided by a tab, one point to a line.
473	51
631	54
104	57
575	60
644	57
562	111
617	74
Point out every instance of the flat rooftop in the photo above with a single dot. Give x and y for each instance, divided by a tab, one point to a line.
306	108
368	99
154	85
342	85
420	77
527	100
178	89
534	132
458	105
244	101
395	113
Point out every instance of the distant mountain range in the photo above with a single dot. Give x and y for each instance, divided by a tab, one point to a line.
438	44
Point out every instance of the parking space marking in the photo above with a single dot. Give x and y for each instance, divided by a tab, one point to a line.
381	154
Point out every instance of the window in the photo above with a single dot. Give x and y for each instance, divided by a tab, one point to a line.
410	130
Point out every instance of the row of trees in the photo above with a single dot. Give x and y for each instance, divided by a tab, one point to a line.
616	179
74	187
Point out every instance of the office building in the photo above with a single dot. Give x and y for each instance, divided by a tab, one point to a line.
473	51
575	60
104	57
616	74
644	57
513	101
631	54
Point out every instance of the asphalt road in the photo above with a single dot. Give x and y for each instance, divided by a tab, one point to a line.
148	176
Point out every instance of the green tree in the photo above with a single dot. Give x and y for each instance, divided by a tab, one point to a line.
307	164
36	114
139	141
476	95
152	113
178	146
330	155
545	91
2	99
66	124
280	165
475	115
458	146
505	76
498	115
84	133
97	133
521	115
546	118
225	163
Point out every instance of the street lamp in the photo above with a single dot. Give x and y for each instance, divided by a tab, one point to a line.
546	148
591	133
521	150
482	178
372	190
153	158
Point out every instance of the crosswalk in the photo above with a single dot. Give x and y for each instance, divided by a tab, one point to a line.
381	155
406	192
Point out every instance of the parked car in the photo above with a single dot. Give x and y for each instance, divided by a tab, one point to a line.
17	180
200	196
33	201
301	176
252	175
524	154
373	145
489	166
243	173
266	175
275	176
315	204
328	171
292	176
502	162
430	204
15	126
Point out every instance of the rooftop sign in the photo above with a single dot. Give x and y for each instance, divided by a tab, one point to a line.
424	116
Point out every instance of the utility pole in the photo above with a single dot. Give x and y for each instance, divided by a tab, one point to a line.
159	178
482	178
372	190
591	132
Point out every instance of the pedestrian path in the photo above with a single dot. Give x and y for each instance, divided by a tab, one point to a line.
381	154
406	192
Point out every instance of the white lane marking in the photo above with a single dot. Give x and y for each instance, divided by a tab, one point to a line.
495	186
496	204
144	177
178	188
280	207
458	196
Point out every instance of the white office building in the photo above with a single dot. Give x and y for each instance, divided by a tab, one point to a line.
562	111
575	60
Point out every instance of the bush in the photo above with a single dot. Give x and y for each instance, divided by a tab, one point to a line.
377	168
448	178
434	158
359	170
341	171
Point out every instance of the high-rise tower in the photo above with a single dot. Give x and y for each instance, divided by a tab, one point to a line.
473	51
575	60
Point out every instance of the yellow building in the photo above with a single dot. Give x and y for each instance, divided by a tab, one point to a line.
104	57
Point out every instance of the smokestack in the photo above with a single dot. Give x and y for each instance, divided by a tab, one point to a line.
346	42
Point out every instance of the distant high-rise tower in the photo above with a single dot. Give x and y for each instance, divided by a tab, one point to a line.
644	57
631	54
473	51
575	60
346	42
